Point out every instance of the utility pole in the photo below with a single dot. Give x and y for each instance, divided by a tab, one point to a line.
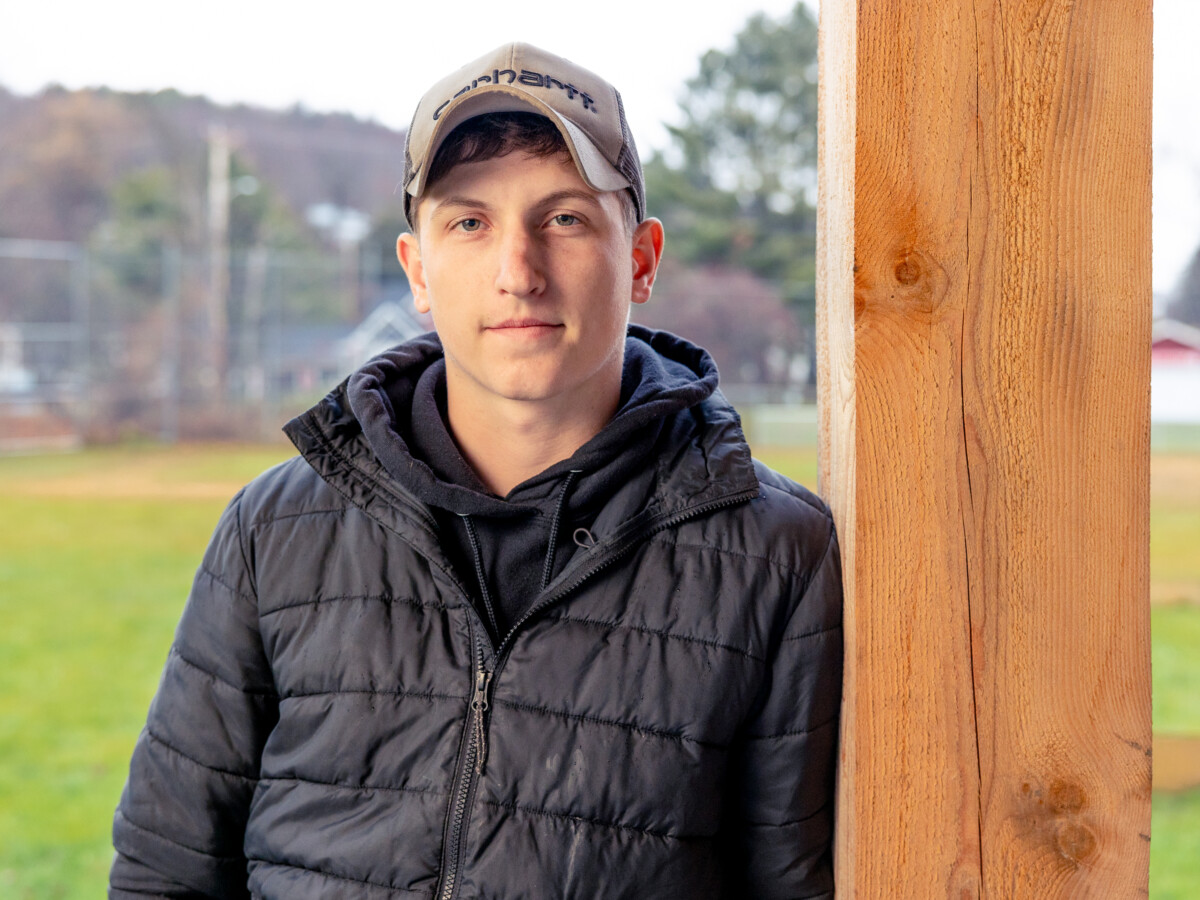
216	353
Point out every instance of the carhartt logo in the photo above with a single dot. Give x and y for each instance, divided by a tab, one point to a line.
527	78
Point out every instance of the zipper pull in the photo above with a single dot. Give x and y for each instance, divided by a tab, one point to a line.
479	703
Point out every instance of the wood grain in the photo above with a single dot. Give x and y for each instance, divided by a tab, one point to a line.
835	340
986	441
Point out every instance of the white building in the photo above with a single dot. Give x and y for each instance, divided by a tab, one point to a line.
1175	373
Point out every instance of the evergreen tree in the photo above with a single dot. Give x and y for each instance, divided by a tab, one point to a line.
1185	301
740	187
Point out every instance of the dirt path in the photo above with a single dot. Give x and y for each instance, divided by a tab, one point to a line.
126	484
188	472
1176	477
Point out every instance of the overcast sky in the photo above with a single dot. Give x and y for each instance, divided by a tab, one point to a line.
374	59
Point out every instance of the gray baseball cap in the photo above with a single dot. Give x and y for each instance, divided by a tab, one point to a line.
584	107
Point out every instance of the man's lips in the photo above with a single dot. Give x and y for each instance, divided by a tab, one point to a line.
522	325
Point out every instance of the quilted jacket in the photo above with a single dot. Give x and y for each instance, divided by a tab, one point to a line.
334	719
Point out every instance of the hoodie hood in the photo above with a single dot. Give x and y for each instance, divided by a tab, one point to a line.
673	449
513	547
399	401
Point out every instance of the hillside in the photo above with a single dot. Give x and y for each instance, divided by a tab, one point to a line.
63	153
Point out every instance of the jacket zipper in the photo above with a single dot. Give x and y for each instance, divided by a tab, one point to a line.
479	704
475	756
474	759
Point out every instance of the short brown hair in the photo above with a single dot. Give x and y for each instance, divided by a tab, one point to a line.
497	134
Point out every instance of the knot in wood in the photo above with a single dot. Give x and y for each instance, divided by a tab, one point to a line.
1065	797
1075	841
908	270
1056	814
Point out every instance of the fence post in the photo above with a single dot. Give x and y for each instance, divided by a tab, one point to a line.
172	290
984	341
81	311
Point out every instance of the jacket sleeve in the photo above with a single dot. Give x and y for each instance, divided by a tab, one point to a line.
179	828
781	790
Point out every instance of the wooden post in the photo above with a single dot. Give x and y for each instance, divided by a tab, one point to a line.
984	314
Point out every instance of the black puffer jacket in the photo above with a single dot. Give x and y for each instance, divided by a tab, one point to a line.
335	721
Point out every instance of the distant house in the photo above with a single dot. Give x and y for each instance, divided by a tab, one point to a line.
15	378
316	357
1175	372
301	359
392	322
30	422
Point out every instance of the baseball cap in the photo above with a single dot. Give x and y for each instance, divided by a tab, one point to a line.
517	77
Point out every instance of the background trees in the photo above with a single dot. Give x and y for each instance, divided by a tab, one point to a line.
1185	300
736	191
738	185
126	179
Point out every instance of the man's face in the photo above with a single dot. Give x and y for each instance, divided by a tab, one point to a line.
529	275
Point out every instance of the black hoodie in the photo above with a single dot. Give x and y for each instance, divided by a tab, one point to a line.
511	547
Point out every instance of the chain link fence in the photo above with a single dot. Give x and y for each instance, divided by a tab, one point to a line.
102	344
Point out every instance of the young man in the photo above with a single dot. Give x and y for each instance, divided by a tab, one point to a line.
524	619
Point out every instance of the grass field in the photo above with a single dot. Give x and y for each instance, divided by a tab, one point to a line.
96	555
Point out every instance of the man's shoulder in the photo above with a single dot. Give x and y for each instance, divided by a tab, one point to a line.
287	490
792	513
785	526
791	497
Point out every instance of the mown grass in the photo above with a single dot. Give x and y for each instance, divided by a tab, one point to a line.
1175	658
97	551
1175	832
91	585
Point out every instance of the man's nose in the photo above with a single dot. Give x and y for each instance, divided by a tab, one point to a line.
520	269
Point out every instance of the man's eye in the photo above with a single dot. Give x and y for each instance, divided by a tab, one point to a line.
470	224
565	219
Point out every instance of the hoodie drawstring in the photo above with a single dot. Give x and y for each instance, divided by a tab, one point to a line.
548	568
551	548
483	588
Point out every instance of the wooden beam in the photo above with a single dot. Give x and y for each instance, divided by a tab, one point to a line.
984	315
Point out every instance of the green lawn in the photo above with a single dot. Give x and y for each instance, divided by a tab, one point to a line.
91	590
96	555
1175	831
91	585
1175	657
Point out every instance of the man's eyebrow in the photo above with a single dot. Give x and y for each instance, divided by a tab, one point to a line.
460	201
569	194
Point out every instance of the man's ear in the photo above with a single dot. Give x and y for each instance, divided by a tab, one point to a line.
408	251
647	254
